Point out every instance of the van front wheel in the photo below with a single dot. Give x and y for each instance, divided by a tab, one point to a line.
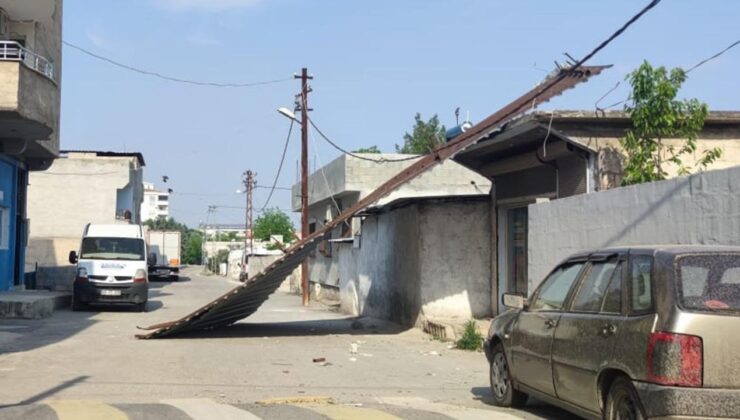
77	305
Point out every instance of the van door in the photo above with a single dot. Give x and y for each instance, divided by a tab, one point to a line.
587	333
533	331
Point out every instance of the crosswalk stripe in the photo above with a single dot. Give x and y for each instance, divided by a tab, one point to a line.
454	411
343	412
205	409
85	410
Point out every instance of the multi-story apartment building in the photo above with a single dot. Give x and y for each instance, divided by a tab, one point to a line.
30	76
156	203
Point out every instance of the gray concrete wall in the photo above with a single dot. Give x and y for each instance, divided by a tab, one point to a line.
381	278
700	209
455	260
428	260
73	192
349	179
348	174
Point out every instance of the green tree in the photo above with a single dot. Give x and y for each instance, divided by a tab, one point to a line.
190	239
371	149
425	136
273	222
656	116
192	247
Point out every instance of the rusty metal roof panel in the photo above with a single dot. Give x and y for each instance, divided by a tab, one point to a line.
247	298
240	302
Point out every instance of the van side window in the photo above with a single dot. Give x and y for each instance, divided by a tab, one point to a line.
593	288
641	292
555	288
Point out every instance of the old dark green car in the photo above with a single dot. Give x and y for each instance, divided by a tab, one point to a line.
645	332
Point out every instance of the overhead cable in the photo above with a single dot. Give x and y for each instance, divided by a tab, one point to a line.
171	78
702	62
694	67
354	155
280	167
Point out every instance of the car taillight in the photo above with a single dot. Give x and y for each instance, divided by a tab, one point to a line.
81	277
140	276
675	359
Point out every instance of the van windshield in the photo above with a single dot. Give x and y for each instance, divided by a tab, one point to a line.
113	249
709	282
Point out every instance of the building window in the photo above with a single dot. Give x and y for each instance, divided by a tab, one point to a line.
311	229
4	228
516	235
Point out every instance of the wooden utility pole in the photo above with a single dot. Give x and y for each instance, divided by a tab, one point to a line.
303	106
249	183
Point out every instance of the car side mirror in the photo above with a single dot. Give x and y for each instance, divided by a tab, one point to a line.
514	300
152	259
73	257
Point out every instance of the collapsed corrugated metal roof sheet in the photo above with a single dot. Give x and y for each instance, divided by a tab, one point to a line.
245	299
240	302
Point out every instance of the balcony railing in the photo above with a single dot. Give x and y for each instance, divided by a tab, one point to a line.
14	51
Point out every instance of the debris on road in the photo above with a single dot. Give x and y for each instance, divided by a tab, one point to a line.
319	360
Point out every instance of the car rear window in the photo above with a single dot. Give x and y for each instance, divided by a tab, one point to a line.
709	282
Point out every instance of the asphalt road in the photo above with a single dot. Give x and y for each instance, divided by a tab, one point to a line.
78	364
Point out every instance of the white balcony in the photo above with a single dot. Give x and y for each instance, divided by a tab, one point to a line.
14	51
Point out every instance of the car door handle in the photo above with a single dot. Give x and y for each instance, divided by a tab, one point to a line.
550	323
608	329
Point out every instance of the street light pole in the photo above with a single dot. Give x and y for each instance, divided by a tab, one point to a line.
304	176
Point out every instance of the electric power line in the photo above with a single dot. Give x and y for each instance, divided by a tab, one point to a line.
171	78
336	146
694	67
326	180
548	84
706	60
280	167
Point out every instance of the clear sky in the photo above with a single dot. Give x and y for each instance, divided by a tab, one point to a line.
376	63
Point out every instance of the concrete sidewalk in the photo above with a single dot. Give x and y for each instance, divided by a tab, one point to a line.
32	304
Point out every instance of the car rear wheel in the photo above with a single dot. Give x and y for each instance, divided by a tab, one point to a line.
623	403
141	307
504	394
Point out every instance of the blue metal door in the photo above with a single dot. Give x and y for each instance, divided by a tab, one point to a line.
8	203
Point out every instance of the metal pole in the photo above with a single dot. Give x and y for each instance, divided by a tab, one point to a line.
249	183
250	209
304	177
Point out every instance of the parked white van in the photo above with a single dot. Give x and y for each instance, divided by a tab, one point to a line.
111	266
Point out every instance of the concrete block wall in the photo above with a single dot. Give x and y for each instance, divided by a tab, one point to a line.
455	252
381	278
73	192
425	261
351	179
610	154
699	209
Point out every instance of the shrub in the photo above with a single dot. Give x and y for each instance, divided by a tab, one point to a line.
471	339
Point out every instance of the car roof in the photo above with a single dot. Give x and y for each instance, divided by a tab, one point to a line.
652	250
